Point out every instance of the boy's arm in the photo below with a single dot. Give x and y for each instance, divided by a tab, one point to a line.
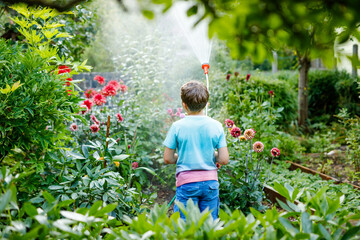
222	156
170	157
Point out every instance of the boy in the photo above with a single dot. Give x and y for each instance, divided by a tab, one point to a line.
196	137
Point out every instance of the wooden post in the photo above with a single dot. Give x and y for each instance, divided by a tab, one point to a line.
355	56
274	64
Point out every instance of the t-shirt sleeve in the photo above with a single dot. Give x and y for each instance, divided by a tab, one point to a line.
170	140
222	140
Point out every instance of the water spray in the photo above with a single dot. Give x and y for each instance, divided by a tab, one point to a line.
206	67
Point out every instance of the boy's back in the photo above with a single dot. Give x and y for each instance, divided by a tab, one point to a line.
196	138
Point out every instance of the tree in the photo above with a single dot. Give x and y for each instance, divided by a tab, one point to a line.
257	27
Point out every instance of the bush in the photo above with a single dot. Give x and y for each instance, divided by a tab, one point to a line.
329	91
258	89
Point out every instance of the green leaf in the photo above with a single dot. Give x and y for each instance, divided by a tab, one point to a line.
192	11
288	226
5	200
74	216
48	197
85	151
121	157
108	208
30	209
351	233
148	14
76	155
306	223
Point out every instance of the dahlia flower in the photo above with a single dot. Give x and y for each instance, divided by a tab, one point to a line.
229	123
114	83
271	93
94	128
99	99
182	115
123	88
119	117
109	90
84	109
242	138
258	146
170	111
90	93
275	152
249	134
117	164
134	165
99	79
248	76
73	127
235	132
88	103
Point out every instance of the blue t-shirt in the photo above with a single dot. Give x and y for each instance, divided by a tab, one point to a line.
195	138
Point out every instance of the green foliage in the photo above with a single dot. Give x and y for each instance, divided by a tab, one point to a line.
54	220
329	91
312	184
38	102
251	100
352	137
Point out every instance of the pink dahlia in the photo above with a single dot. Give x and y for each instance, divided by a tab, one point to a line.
249	134
109	90
99	99
94	119
182	115
84	109
134	165
258	146
123	88
229	123
73	127
235	132
89	93
275	152
94	128
88	103
99	79
119	117
170	111
178	114
114	83
248	76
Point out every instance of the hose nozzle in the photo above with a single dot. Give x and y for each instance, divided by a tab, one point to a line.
205	67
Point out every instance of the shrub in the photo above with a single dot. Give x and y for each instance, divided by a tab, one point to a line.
329	91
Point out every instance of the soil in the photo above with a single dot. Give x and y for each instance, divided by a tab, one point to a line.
334	166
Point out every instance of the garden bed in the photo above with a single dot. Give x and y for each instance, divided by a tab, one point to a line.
294	166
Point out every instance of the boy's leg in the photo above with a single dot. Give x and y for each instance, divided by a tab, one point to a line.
185	192
210	198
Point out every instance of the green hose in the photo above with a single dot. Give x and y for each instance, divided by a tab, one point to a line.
171	201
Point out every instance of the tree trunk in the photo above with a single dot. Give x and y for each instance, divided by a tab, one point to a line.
303	90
